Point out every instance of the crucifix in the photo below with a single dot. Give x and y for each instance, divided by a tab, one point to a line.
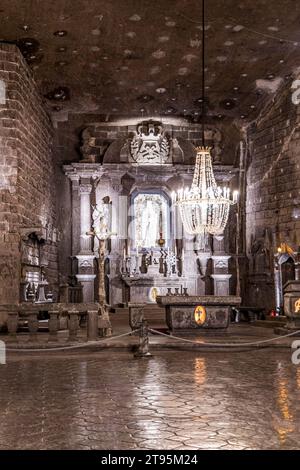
101	231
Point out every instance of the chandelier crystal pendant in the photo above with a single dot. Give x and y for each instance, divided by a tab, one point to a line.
204	208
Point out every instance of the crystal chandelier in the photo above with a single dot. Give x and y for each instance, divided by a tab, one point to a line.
204	208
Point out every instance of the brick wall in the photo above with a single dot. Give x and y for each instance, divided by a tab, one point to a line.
273	192
27	190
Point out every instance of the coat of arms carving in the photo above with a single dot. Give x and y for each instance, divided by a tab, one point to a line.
150	145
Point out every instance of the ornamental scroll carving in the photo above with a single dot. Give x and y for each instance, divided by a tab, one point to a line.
86	267
150	145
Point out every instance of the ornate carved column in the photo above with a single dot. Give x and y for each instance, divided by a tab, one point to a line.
85	218
119	220
75	218
203	250
80	175
86	256
220	275
189	265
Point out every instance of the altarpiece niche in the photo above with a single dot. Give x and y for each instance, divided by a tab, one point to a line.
138	166
151	219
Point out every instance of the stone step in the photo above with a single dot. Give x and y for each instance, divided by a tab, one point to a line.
155	316
269	323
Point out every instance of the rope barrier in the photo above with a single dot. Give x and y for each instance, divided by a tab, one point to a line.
75	346
255	343
184	340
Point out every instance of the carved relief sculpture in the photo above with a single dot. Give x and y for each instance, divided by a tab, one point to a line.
150	145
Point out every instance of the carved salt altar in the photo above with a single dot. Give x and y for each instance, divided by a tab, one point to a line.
192	313
142	288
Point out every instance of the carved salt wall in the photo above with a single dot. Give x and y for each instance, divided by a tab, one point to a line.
121	144
27	188
273	193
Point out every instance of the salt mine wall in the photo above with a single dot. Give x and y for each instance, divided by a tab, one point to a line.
28	232
273	193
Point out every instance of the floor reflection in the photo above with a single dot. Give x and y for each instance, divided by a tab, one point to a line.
284	424
200	371
174	400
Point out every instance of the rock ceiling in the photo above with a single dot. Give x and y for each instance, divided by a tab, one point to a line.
134	58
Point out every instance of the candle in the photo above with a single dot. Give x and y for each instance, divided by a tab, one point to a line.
128	247
160	221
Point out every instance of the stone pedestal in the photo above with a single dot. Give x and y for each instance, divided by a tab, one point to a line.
203	258
221	283
87	281
141	287
115	262
220	275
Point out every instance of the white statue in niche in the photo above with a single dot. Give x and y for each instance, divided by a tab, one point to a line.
150	215
150	229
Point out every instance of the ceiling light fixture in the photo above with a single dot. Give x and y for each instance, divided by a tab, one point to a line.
204	207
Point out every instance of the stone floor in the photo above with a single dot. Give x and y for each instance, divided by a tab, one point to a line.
174	400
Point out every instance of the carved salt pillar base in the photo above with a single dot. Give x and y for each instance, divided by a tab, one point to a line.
221	277
115	260
203	260
87	282
221	284
86	276
190	268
